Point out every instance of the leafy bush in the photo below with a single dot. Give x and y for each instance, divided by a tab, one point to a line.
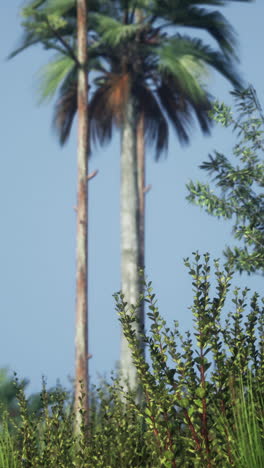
189	383
202	402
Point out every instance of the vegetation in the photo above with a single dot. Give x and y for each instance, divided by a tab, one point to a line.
147	76
8	396
241	187
203	394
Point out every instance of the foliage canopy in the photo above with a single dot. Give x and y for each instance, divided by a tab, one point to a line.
165	70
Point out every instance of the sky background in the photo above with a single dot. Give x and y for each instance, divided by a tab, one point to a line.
37	199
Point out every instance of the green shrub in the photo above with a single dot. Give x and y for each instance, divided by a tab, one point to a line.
202	403
191	380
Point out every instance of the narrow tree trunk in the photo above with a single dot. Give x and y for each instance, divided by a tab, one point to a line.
129	233
81	337
141	194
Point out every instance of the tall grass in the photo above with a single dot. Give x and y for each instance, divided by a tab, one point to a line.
8	454
247	434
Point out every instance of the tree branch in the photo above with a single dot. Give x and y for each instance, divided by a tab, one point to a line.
147	188
92	174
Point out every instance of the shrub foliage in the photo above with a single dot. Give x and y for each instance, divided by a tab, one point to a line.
240	188
202	393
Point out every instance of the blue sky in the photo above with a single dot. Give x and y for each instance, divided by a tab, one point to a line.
37	199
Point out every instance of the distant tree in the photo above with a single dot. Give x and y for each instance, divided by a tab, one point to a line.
240	196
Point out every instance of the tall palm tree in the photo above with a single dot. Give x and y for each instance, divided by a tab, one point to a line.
45	24
149	75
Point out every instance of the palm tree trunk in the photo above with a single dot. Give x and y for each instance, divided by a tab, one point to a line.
81	337
129	233
141	195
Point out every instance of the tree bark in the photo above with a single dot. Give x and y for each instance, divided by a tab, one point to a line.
141	194
81	336
129	234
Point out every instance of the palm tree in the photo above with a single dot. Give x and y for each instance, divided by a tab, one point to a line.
45	24
148	76
151	74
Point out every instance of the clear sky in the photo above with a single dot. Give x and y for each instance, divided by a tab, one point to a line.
37	198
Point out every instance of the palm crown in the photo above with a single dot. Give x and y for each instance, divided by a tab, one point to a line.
164	71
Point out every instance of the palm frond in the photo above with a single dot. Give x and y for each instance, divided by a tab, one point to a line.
216	25
181	107
40	27
28	39
178	58
190	14
66	104
202	115
34	4
201	110
155	123
112	31
59	7
52	75
107	105
177	109
66	107
101	120
48	7
182	54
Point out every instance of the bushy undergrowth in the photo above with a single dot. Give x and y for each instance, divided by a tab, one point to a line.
202	403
